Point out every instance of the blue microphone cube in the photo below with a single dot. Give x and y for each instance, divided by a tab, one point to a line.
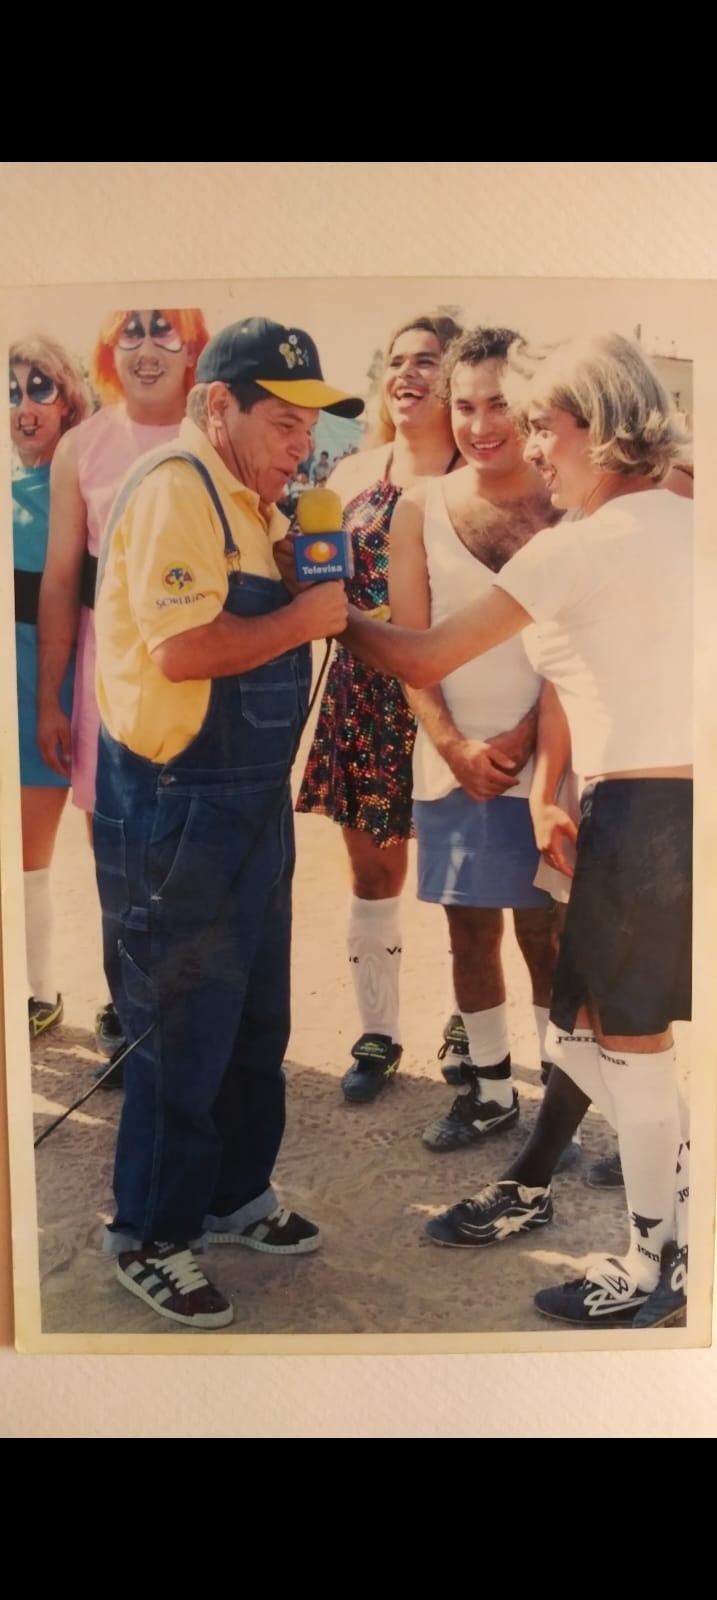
320	556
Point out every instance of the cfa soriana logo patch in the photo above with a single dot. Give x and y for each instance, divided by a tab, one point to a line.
178	578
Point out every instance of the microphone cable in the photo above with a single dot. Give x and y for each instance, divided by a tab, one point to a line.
118	1059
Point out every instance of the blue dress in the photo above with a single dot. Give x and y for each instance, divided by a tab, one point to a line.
30	521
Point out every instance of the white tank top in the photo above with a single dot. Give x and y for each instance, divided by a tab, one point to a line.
488	695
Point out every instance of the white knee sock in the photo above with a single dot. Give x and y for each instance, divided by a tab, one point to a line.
682	1186
578	1055
38	935
542	1018
374	945
644	1092
454	1009
489	1043
542	1023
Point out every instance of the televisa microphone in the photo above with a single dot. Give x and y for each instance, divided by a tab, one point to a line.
322	549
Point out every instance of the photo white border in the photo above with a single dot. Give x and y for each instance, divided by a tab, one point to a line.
587	211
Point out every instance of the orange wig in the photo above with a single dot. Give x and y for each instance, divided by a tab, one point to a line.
190	325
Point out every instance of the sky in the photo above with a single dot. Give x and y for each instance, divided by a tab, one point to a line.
349	318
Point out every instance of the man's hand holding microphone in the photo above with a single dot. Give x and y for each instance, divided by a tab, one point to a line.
314	562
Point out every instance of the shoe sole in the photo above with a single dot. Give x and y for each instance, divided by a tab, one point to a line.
609	1321
365	1099
303	1248
671	1318
219	1319
613	1183
485	1244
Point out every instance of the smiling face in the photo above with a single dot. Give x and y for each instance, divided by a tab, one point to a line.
262	447
409	380
151	362
37	413
482	425
559	446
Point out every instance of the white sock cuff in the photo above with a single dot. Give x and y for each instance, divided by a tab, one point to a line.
542	1018
643	1086
560	1045
36	881
488	1035
365	911
38	934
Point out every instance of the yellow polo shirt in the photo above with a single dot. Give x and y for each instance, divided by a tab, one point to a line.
165	572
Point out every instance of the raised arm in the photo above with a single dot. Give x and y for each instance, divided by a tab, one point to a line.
421	658
59	603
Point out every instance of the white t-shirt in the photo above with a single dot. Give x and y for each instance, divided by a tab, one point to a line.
488	695
618	587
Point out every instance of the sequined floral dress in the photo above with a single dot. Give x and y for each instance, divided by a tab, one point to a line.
359	766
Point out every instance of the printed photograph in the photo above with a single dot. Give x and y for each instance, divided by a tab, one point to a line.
351	715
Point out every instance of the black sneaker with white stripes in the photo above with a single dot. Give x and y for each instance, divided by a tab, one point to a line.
497	1212
607	1297
668	1301
169	1279
281	1233
471	1117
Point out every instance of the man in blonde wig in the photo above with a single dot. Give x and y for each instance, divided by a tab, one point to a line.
617	587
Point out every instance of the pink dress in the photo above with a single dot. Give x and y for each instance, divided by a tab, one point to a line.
108	444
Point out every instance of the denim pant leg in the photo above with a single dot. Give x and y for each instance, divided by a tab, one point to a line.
250	1108
168	1147
189	975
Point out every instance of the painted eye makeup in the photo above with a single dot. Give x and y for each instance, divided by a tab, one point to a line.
40	388
161	332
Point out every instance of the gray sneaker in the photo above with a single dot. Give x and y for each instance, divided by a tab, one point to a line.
108	1031
606	1174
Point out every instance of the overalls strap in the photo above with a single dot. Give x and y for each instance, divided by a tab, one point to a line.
140	472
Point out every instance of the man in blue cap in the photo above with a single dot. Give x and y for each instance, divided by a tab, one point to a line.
204	668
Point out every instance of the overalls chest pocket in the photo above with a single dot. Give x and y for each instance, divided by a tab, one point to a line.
268	697
271	696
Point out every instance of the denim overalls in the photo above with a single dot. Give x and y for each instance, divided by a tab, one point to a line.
194	866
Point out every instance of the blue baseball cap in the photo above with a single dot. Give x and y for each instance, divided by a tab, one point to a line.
284	361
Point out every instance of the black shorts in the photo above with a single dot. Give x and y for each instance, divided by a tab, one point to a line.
627	941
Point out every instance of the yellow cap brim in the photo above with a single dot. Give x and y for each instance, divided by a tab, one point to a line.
315	395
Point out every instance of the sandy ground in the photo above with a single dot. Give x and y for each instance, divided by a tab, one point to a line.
361	1172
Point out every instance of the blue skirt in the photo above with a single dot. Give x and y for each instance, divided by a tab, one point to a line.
34	773
477	852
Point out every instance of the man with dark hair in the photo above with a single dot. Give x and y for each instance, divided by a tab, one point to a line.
203	678
472	760
321	469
